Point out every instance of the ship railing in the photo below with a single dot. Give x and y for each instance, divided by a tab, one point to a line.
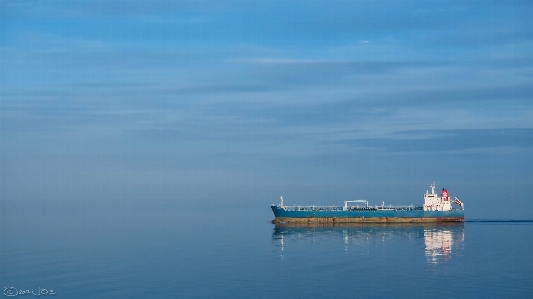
351	208
313	208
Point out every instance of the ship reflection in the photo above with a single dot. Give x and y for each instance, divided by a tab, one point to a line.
440	243
440	239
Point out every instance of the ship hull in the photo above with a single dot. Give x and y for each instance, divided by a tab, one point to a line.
370	216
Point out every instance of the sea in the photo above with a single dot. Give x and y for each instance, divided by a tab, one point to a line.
163	249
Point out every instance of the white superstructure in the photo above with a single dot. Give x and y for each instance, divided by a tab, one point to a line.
432	202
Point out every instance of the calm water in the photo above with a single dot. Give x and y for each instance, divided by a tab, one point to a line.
162	250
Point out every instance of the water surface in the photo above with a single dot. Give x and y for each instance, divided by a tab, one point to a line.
161	249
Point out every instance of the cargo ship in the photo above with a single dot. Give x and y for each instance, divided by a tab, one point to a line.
435	209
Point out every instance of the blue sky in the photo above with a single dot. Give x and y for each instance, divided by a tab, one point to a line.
244	101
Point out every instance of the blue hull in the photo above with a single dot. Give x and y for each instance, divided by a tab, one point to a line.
284	214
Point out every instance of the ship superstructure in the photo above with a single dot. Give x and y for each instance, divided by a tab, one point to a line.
434	203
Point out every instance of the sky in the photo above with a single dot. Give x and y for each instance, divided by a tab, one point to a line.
238	102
